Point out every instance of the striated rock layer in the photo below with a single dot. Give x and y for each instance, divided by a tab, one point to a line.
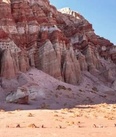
62	43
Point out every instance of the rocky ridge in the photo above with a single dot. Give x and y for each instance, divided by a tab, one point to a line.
33	33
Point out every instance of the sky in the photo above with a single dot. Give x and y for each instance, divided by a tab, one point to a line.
100	13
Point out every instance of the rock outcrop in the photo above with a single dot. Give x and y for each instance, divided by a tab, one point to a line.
61	43
20	96
8	68
23	95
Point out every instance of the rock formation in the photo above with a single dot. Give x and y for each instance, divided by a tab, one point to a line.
61	43
23	94
20	97
8	68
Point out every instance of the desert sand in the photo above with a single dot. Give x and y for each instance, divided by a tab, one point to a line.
83	121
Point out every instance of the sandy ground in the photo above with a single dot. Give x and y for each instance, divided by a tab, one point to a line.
83	121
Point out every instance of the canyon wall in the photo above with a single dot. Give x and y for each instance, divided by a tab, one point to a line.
33	33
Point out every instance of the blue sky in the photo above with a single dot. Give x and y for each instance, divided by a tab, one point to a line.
101	13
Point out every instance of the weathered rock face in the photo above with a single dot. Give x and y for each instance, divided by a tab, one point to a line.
71	68
61	43
8	68
49	60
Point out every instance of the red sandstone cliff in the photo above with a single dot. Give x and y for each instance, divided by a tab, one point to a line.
61	43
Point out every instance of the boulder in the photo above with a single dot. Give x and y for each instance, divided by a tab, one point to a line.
20	96
24	94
